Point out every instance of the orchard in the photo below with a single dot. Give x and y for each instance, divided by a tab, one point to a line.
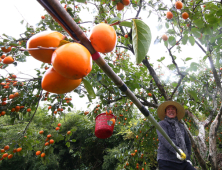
39	127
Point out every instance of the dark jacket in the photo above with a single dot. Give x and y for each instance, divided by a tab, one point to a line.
165	150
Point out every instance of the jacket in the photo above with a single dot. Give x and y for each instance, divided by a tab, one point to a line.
165	150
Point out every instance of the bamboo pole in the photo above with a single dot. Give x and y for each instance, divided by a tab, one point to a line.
55	9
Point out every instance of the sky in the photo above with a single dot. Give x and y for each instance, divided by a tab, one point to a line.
31	11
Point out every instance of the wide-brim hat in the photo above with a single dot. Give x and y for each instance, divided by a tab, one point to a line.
162	107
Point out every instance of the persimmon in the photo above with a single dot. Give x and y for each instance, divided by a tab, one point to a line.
10	156
164	37
113	120
6	50
41	132
119	6
178	5
56	83
3	56
3	113
16	94
44	39
51	141
43	155
43	17
68	132
126	36
29	110
14	150
185	15
57	128
126	2
169	15
49	107
19	149
59	124
103	38
5	155
150	94
49	136
6	147
8	60
38	153
72	61
11	96
47	143
2	150
17	108
86	112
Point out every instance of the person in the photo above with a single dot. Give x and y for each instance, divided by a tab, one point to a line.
170	112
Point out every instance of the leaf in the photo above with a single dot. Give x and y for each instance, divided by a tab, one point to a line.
193	94
68	144
196	32
172	40
184	39
81	1
62	42
188	58
89	89
161	59
191	40
114	20
194	66
166	25
126	24
99	77
141	36
174	84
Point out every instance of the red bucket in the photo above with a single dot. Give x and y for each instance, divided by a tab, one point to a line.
102	129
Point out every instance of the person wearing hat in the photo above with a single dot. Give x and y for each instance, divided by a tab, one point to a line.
170	113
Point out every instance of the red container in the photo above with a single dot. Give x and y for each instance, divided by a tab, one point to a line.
102	129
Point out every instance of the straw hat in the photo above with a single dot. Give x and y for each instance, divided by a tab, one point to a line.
162	107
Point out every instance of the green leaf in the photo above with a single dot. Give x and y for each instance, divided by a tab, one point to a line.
161	59
126	24
196	32
99	77
68	144
193	94
199	23
188	58
113	20
194	66
166	25
89	89
184	39
172	40
191	40
174	84
81	1
141	36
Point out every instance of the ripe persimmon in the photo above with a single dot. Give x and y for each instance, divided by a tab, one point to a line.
126	2
19	149
5	155
178	5
68	132
169	15
113	120
126	36
6	50
56	83
38	153
49	136
57	128
72	61
150	94
8	60
41	132
103	38
29	110
6	147
2	150
44	39
47	143
51	141
119	6
3	56
10	156
185	15
59	124
164	37
43	155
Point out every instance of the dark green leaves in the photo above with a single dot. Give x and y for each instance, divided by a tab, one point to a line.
141	36
89	89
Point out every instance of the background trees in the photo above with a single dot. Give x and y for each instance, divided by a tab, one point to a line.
195	84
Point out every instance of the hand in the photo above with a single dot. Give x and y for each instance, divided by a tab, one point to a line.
182	156
189	162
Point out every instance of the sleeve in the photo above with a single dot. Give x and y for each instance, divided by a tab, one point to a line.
188	144
162	139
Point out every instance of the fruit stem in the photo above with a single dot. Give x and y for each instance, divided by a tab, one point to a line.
38	48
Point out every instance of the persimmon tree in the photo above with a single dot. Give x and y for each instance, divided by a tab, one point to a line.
197	85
